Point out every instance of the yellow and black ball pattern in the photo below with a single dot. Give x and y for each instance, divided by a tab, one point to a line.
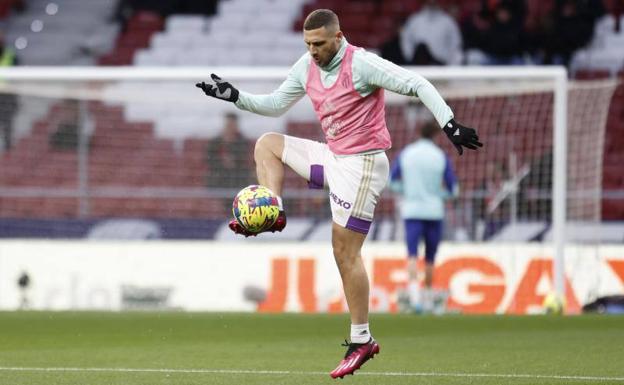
255	208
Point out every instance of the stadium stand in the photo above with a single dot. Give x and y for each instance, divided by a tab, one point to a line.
128	141
605	50
137	34
65	32
198	40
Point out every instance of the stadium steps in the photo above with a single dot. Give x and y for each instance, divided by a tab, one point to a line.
121	154
22	158
69	29
137	34
197	40
195	167
354	20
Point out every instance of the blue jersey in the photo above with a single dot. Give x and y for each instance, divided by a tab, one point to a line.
424	176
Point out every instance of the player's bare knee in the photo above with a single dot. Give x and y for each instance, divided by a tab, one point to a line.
270	142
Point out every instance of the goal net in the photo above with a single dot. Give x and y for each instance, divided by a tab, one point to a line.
92	143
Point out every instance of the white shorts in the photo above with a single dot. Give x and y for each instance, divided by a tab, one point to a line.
355	182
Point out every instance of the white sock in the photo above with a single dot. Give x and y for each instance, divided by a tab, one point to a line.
427	299
413	290
279	203
360	334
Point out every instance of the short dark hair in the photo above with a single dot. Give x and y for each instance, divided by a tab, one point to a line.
321	18
429	130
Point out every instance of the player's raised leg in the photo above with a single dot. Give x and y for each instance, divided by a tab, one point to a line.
270	172
268	156
347	246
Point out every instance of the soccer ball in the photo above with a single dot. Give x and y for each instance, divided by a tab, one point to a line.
255	208
553	304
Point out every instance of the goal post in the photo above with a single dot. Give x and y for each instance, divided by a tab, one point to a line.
560	178
521	113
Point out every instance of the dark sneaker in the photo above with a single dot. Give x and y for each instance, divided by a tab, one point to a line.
279	225
356	356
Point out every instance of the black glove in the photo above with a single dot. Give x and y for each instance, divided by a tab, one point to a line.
462	136
219	89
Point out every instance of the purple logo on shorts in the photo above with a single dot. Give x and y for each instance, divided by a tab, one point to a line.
344	204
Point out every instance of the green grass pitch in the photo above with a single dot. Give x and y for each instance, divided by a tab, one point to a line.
231	348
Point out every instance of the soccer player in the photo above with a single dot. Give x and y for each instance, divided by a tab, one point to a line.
346	85
424	177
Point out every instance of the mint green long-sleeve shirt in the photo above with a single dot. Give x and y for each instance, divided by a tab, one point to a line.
370	72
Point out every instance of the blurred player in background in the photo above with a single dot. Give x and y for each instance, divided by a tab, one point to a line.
226	156
346	85
423	175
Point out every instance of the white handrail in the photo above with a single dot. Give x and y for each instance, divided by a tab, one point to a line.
258	73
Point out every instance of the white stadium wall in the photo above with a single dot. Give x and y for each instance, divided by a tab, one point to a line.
297	277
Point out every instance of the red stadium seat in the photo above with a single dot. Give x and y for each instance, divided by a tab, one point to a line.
138	33
588	74
145	20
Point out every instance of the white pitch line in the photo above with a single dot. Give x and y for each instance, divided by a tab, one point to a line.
311	373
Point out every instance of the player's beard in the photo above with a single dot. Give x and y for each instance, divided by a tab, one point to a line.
326	62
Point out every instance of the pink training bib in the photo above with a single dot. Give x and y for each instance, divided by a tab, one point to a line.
352	124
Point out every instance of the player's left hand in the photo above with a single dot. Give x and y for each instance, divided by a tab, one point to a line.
462	136
219	89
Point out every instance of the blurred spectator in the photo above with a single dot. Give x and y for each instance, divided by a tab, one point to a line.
392	49
431	37
8	101
126	8
503	41
609	23
568	28
495	177
539	179
495	35
204	7
595	9
65	136
228	157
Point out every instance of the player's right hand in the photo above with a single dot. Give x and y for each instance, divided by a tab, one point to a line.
219	89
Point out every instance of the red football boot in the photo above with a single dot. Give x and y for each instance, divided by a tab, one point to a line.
356	356
279	225
238	229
